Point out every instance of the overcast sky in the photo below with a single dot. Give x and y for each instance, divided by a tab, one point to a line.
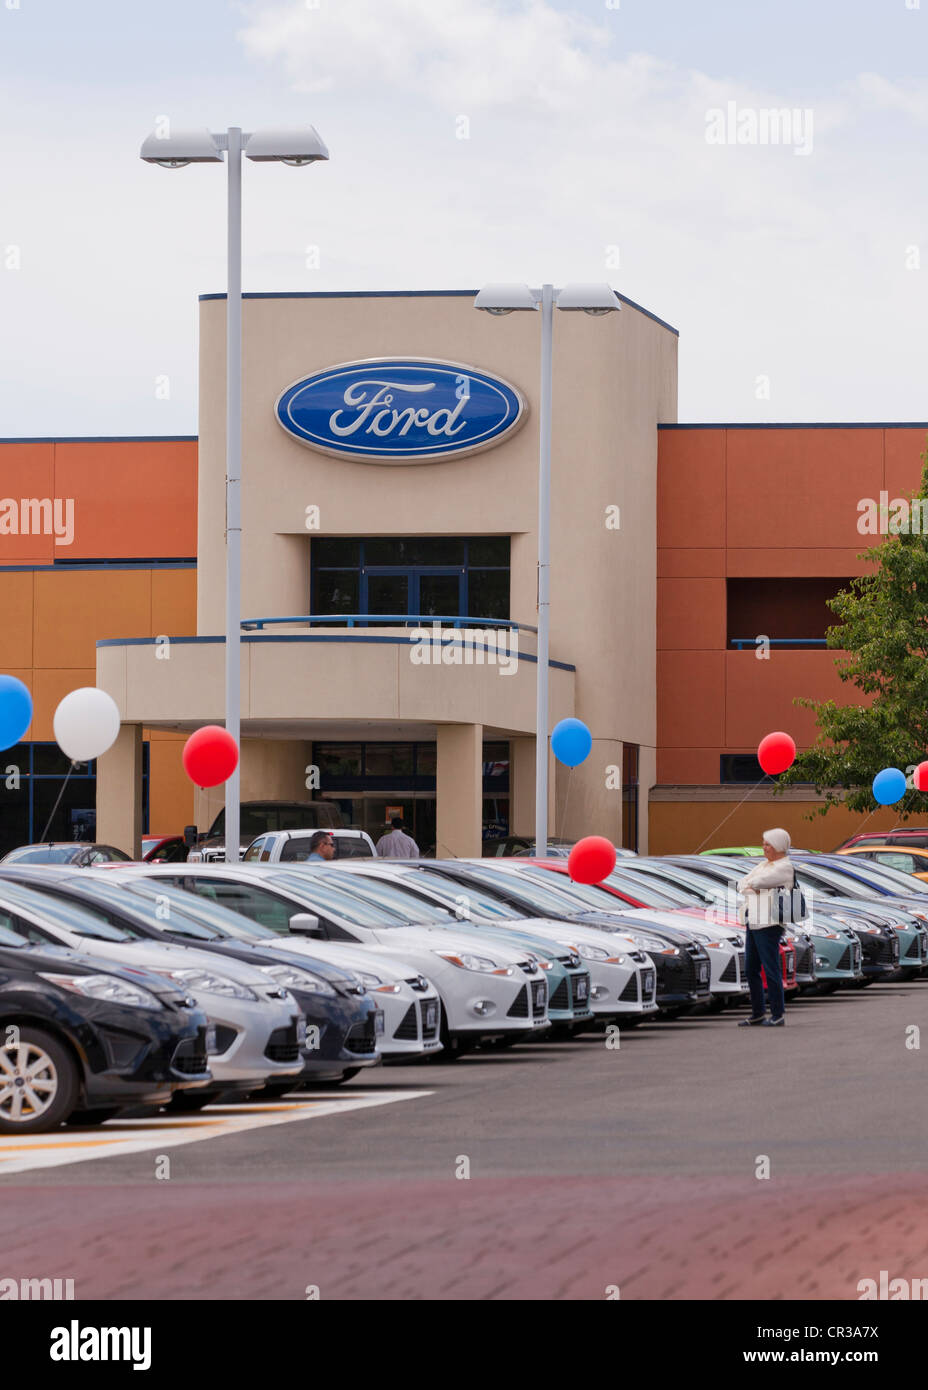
796	272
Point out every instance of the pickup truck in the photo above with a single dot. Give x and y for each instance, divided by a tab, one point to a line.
261	817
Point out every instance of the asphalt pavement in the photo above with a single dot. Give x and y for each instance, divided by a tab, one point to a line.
696	1160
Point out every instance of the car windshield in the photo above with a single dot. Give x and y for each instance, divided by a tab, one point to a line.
163	916
67	915
416	912
701	885
896	879
43	854
473	899
666	895
324	897
578	895
220	923
542	900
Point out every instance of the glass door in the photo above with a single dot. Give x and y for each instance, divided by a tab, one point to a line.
440	593
387	592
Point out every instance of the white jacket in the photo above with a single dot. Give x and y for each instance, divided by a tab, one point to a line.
759	890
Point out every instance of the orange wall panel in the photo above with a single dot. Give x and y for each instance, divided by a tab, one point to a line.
690	699
903	461
691	488
49	687
690	614
800	486
76	609
687	767
171	793
771	563
679	562
26	470
173	603
16	628
132	498
759	694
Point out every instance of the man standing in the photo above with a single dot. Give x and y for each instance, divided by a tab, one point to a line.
759	914
396	844
321	848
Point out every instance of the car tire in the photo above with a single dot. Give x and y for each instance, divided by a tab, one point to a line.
347	1075
92	1117
187	1102
58	1069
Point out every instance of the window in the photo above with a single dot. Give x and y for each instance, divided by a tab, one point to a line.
630	796
31	777
789	612
896	859
397	577
257	903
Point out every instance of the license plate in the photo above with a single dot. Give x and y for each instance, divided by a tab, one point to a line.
648	983
301	1030
378	1021
703	972
431	1015
211	1038
581	991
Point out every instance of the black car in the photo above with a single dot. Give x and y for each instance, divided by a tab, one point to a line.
336	1006
81	1038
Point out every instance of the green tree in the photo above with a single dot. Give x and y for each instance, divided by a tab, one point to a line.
883	630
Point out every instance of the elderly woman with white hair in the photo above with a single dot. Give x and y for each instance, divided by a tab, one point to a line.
760	911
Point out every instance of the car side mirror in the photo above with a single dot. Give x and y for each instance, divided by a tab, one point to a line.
305	924
191	836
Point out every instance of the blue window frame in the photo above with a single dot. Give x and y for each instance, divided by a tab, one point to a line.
31	776
440	576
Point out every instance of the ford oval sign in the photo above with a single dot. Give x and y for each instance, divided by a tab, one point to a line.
400	410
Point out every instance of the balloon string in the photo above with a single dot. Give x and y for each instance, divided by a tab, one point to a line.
564	811
41	839
732	811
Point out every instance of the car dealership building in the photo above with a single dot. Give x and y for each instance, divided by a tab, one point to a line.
390	466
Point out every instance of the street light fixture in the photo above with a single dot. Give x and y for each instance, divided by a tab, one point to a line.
595	300
175	150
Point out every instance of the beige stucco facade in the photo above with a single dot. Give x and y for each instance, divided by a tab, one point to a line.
614	382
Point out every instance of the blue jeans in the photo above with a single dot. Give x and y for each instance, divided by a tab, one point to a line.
762	948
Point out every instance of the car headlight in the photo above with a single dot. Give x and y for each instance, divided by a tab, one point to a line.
464	960
374	984
292	977
108	987
193	978
654	944
586	951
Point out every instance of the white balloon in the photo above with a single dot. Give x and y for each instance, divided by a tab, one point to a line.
86	723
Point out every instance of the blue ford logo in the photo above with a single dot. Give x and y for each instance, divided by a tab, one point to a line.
400	410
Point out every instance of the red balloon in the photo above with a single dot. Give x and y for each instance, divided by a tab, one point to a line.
591	859
920	777
210	756
776	753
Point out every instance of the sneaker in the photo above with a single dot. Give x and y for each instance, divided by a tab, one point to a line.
774	1022
752	1022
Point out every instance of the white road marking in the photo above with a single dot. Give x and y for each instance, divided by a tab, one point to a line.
118	1137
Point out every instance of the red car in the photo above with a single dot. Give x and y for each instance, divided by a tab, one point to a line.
629	895
914	836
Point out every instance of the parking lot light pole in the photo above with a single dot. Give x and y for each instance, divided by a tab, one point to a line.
508	299
175	150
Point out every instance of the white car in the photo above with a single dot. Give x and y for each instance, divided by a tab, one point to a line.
623	981
409	1001
487	990
292	846
256	1027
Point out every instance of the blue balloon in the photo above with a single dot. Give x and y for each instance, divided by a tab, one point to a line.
571	742
889	786
15	711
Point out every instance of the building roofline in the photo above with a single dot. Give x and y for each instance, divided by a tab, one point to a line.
99	439
809	425
409	294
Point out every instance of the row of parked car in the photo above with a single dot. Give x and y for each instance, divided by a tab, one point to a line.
127	985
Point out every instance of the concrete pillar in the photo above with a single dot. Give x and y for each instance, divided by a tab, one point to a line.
522	788
589	796
459	791
647	776
119	792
